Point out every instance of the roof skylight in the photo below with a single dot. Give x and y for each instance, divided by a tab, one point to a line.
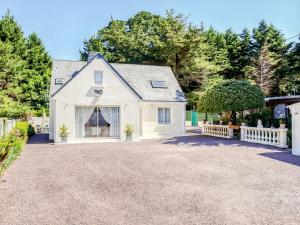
158	84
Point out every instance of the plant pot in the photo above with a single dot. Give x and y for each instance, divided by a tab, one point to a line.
282	125
129	137
64	139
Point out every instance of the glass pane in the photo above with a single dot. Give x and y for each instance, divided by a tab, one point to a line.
97	122
90	125
167	116
85	121
109	125
98	77
160	116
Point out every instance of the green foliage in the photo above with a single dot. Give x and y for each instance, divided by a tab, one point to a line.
25	67
252	119
31	130
129	129
231	95
263	70
63	131
35	83
192	100
12	144
170	40
198	55
13	109
225	120
24	128
263	114
10	148
290	83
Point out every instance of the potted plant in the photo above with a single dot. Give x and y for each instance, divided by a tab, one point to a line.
128	131
63	133
243	122
281	123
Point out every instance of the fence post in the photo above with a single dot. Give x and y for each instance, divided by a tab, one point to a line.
4	127
282	137
230	132
242	133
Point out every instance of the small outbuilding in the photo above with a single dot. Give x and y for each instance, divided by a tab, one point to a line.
279	105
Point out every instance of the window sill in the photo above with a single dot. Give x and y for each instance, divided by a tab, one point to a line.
165	125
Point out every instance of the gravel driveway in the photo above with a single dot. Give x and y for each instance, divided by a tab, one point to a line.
185	180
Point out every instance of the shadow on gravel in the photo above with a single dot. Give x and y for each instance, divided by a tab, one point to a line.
283	156
39	139
208	141
202	140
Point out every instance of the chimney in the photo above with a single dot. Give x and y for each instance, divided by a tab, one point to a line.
91	55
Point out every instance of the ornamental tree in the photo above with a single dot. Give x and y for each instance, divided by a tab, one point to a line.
231	95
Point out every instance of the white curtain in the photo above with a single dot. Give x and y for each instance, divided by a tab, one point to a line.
82	115
111	115
160	115
167	116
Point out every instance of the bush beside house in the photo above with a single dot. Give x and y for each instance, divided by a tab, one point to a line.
12	144
231	96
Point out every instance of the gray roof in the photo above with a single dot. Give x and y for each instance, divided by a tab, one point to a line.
63	69
138	77
282	97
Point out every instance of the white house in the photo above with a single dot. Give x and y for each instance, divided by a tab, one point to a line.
96	99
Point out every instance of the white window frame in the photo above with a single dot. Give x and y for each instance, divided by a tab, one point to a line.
59	81
96	73
164	122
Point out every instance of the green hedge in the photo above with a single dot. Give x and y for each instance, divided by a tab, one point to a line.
12	144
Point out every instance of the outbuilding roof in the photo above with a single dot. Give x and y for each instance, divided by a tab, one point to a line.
137	76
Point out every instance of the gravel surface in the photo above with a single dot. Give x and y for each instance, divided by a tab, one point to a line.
185	180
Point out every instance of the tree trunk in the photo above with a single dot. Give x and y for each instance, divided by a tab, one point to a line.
233	117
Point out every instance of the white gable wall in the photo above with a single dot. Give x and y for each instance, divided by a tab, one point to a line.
77	93
51	118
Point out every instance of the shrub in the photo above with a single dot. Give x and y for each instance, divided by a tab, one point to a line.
13	109
264	115
10	148
22	126
31	130
231	95
241	120
12	144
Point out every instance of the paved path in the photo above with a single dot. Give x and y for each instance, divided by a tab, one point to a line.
185	180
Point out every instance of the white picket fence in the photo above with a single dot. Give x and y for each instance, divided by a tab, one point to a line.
6	126
217	130
268	136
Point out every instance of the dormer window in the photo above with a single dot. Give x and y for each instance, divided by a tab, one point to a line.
59	81
98	77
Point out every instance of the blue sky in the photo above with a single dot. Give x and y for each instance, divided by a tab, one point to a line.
64	24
